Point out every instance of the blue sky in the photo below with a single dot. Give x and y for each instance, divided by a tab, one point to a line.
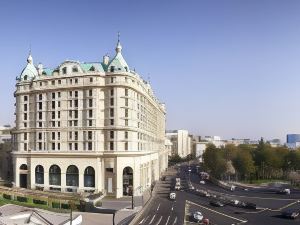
228	68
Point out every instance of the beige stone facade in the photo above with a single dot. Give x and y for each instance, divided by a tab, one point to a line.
88	127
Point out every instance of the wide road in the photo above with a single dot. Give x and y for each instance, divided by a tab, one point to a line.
162	211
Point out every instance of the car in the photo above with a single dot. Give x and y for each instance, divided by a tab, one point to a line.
177	187
248	205
172	195
197	216
216	203
285	191
202	182
290	213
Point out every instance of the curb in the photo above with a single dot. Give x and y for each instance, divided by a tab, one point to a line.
139	214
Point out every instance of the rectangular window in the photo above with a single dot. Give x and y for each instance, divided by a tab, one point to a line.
70	135
25	107
126	122
25	146
40	136
90	145
90	135
90	123
90	93
59	81
53	123
40	97
58	94
25	98
58	114
70	146
112	92
53	135
111	113
126	92
40	106
76	135
90	113
40	124
25	136
126	101
70	103
25	116
40	115
111	101
25	124
58	146
76	146
70	93
53	95
58	104
111	146
91	80
53	146
70	113
58	124
90	102
126	135
76	81
111	134
76	103
112	122
76	94
58	135
76	114
40	146
126	112
75	123
53	115
126	146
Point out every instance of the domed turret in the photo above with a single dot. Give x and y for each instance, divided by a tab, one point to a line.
29	72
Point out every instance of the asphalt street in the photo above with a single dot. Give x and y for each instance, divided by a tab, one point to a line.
163	211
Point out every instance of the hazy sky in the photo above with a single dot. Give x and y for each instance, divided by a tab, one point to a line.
227	68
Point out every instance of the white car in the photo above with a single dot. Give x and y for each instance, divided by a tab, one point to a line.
177	187
172	195
198	216
202	182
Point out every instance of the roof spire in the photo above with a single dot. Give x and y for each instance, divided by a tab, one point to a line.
119	46
29	59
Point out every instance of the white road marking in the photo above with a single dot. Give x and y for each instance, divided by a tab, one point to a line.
142	221
159	220
172	208
152	219
168	220
279	199
175	221
158	207
231	217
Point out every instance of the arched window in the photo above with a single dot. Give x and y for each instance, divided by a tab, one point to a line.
54	175
23	167
75	69
25	77
89	177
72	176
39	174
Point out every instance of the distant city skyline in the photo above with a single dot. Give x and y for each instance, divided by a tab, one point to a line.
226	68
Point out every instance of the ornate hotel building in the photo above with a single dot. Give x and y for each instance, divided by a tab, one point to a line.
87	127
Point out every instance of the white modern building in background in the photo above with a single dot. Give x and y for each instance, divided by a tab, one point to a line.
5	134
93	127
181	142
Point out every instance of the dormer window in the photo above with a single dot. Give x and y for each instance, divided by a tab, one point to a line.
75	69
112	69
126	68
64	70
92	68
25	77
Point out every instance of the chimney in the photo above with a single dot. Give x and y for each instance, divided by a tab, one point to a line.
105	59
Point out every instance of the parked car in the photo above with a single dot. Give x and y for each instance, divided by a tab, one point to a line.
285	191
197	216
248	205
216	203
202	182
290	213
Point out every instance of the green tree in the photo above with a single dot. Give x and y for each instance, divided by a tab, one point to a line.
244	164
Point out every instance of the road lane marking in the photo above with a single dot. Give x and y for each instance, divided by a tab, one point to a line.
152	219
159	220
158	207
231	217
142	221
264	198
168	220
172	208
175	221
283	207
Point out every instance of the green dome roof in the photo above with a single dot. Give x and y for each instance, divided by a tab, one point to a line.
29	72
118	62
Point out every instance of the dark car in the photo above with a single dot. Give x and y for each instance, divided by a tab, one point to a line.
248	205
216	203
290	213
284	191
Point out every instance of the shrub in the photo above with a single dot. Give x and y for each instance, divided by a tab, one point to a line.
37	201
7	196
22	199
55	205
65	206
